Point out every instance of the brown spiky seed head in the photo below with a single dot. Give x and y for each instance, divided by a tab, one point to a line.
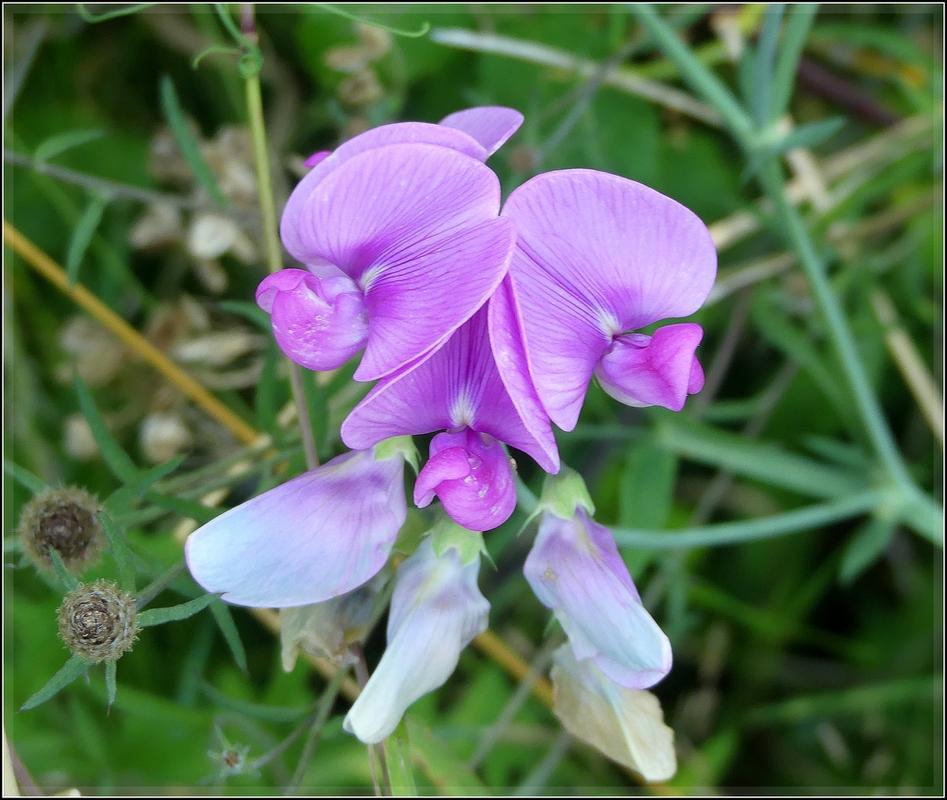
65	520
98	621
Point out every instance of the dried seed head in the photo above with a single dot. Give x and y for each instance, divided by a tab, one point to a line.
64	520
98	621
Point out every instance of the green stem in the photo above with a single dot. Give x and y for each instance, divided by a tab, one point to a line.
867	404
803	519
274	252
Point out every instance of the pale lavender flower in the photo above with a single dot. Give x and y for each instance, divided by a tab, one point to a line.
575	569
436	610
315	537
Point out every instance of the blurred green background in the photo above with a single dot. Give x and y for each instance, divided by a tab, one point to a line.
802	661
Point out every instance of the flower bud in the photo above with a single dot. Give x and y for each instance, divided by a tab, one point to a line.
98	622
64	520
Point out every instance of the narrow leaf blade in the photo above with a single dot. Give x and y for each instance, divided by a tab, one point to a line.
159	616
69	671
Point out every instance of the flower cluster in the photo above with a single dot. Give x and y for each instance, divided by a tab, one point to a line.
484	325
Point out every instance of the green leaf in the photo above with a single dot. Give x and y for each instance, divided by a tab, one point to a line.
59	143
398	762
255	710
249	311
190	509
318	410
82	235
866	547
135	486
187	143
69	671
268	385
766	462
66	578
88	16
444	769
415	34
159	616
116	458
799	22
763	66
647	486
231	635
810	135
24	477
111	687
121	552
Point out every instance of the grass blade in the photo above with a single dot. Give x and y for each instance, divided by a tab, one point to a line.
797	29
117	460
24	477
398	762
121	552
159	616
69	671
186	141
82	236
59	143
231	635
66	578
111	686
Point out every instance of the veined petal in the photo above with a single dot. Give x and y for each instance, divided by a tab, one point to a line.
436	609
293	223
659	370
318	317
598	255
458	386
491	126
359	201
509	355
472	476
427	292
575	569
627	725
315	537
415	226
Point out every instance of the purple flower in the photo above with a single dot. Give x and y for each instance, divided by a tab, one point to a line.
598	257
436	609
315	537
575	569
459	390
398	229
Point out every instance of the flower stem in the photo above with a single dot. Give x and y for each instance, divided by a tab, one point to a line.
271	241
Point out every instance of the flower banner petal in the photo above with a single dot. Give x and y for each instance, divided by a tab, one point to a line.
293	222
598	255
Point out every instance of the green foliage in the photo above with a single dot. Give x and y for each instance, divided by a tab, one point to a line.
802	611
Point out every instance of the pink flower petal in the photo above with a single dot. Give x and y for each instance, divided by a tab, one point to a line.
315	537
293	224
491	126
598	255
657	370
471	475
